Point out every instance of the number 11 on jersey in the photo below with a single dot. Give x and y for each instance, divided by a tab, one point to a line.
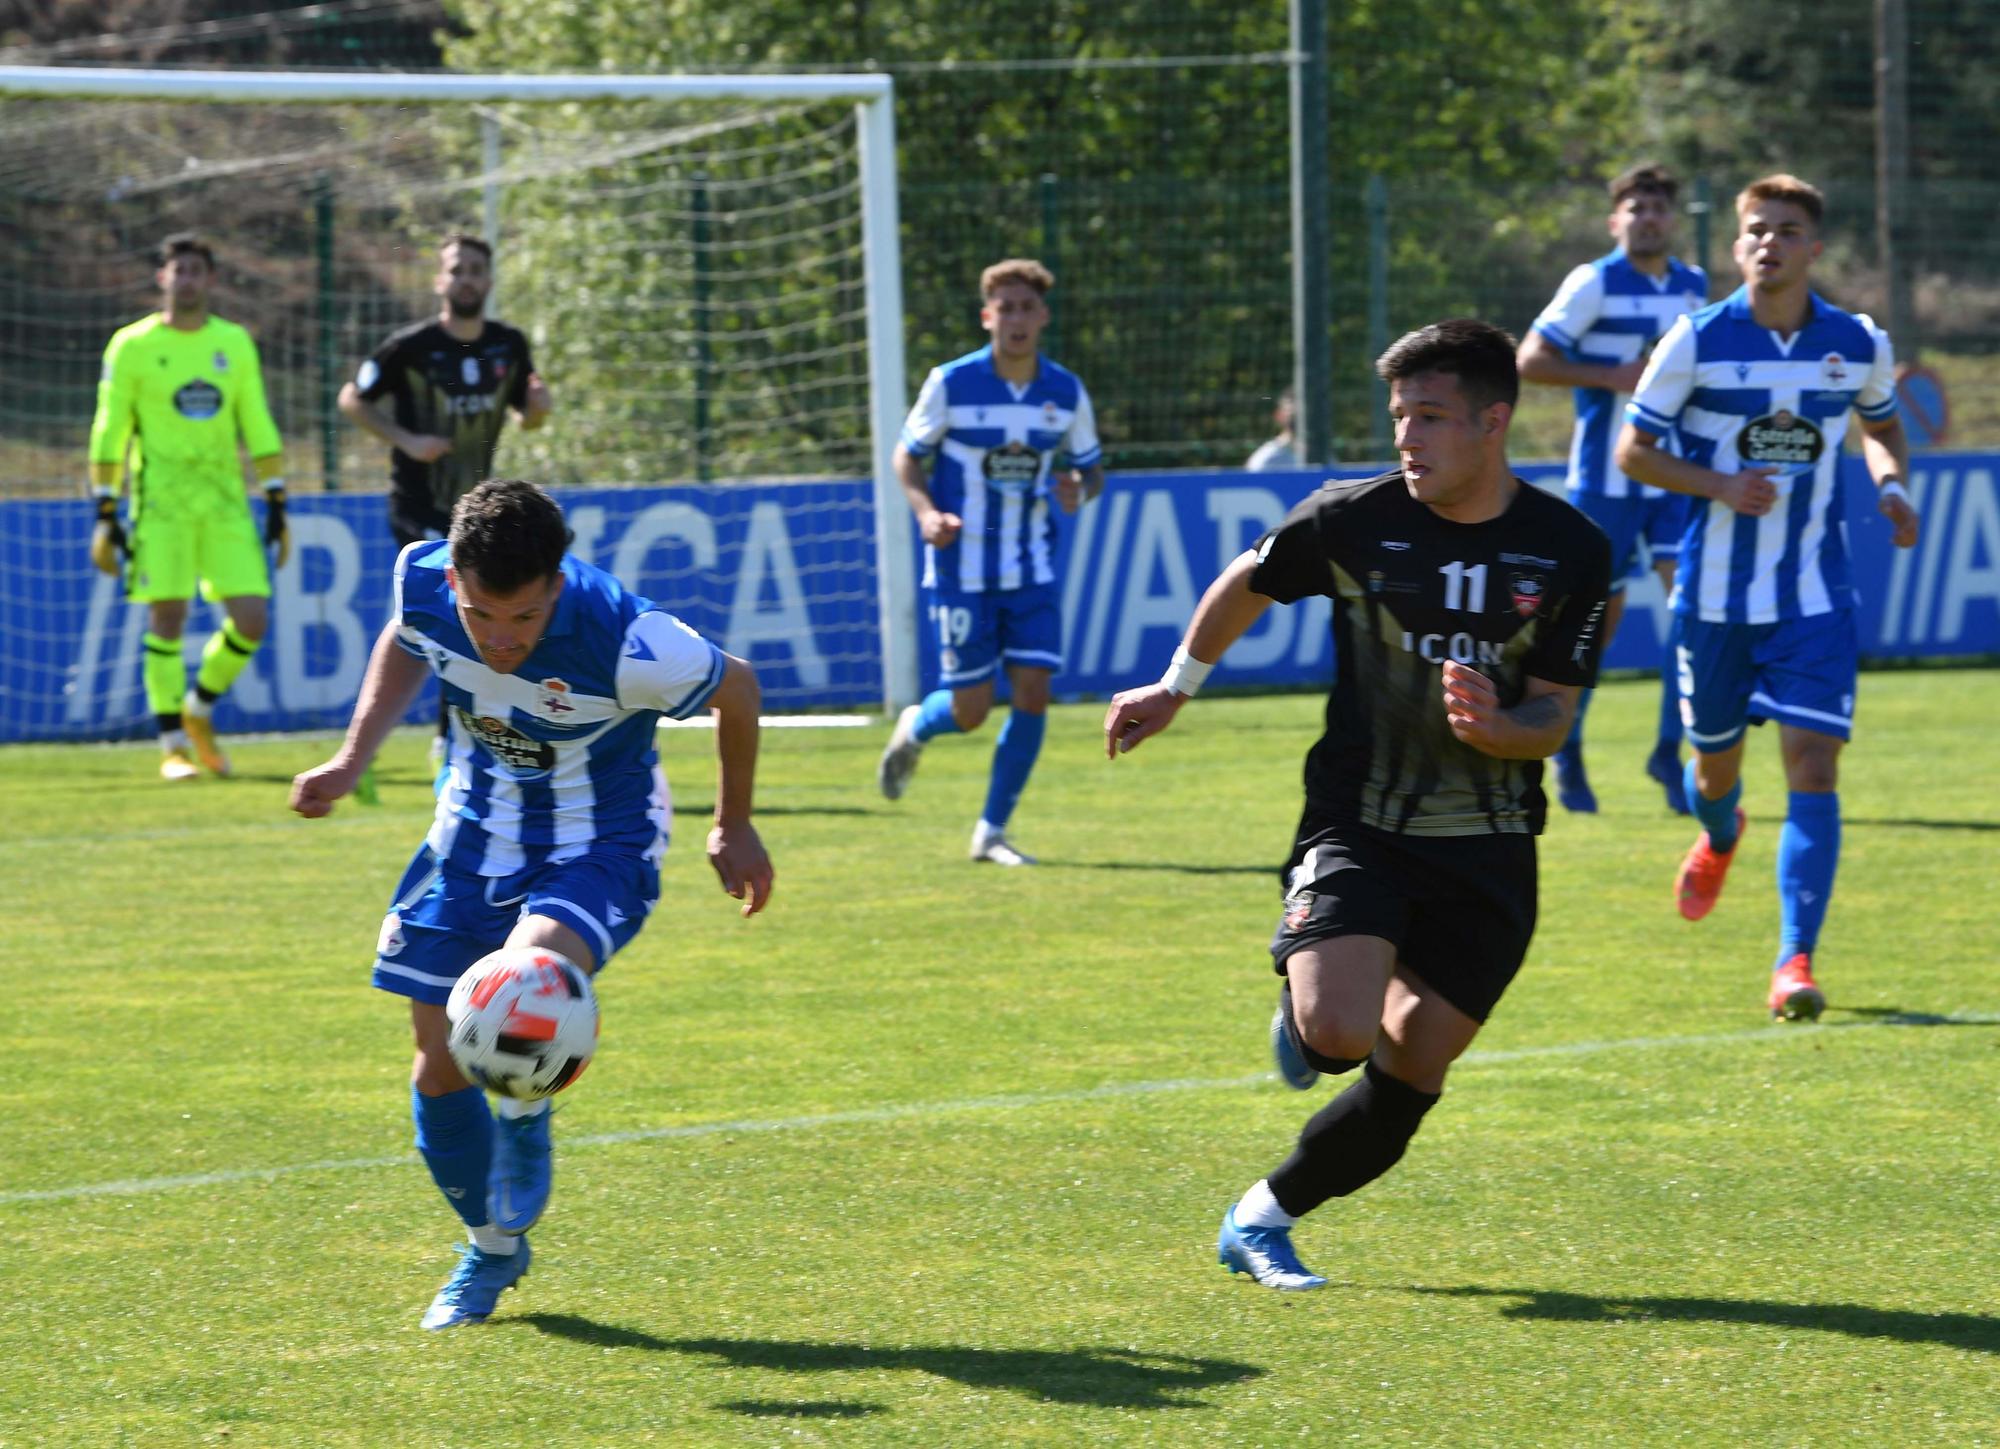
1464	588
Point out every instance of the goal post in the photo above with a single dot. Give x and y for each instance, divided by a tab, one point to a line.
790	344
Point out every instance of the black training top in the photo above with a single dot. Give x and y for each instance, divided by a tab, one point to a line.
1522	594
449	389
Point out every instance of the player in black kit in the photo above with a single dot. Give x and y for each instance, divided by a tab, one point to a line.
451	381
1466	616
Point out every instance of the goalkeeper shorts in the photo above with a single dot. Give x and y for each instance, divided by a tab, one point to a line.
222	551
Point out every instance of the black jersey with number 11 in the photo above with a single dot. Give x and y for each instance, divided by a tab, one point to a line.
1519	595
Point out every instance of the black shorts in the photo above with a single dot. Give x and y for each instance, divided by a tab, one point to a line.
409	524
1460	909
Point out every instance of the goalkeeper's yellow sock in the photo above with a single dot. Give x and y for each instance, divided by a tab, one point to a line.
166	677
222	659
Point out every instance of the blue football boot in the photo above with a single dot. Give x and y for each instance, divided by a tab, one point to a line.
1265	1254
1664	765
517	1187
475	1286
1572	784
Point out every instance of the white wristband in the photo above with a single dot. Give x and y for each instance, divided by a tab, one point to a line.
1186	673
1893	488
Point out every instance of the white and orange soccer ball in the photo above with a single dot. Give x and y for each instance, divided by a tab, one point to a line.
523	1022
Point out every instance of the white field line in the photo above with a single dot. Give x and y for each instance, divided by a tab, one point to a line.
1754	1036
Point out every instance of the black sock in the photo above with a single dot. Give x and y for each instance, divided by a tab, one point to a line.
168	723
204	694
1351	1141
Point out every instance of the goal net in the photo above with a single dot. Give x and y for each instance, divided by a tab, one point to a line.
707	273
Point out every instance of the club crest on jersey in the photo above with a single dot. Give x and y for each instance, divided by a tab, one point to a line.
1834	368
1049	415
222	362
1780	437
468	368
1528	591
555	697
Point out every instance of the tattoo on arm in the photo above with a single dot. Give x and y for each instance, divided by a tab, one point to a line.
1542	712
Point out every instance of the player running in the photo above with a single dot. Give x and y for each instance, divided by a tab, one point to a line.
180	399
994	421
1759	387
1467	607
551	825
1594	337
450	382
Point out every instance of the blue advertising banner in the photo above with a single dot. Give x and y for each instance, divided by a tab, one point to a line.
781	574
784	575
1135	562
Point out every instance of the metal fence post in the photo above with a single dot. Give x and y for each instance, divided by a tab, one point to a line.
329	367
1375	203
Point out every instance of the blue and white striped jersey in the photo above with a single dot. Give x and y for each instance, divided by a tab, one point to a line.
558	756
995	443
1605	313
1739	394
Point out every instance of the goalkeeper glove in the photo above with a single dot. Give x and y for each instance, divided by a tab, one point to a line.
276	531
108	547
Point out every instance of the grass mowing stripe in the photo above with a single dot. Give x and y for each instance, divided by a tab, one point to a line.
146	1186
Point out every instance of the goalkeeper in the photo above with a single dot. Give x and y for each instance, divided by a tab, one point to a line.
181	396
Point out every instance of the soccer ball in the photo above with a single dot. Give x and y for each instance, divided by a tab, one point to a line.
523	1022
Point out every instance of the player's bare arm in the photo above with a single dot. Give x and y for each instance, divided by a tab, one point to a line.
1540	360
733	845
1076	487
536	406
1885	447
1227	610
387	691
424	447
1534	729
1640	456
939	529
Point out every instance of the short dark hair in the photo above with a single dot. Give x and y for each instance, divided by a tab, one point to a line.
466	241
1025	270
1782	186
508	534
1478	354
186	244
1643	177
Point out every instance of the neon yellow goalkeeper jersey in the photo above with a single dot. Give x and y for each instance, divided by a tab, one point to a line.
192	399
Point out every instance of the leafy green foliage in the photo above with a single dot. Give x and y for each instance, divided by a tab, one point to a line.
1160	192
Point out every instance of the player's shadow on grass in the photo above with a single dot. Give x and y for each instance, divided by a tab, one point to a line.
1108	1377
1901	1016
1977	1331
1174	867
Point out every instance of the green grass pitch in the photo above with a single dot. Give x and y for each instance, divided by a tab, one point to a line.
934	1153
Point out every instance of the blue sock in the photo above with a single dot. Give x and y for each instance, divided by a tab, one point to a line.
1808	854
934	716
1668	740
455	1137
1013	760
1717	817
